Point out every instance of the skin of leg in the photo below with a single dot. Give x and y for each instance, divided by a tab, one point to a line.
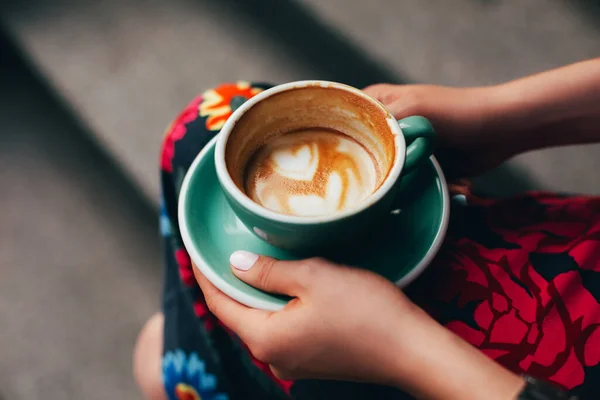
147	358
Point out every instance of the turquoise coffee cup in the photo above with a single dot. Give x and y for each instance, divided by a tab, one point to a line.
318	104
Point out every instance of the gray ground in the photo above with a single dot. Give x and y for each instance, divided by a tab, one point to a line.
79	261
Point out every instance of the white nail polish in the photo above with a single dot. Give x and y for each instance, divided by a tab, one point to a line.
243	260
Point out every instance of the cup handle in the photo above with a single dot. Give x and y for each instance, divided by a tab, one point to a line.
419	135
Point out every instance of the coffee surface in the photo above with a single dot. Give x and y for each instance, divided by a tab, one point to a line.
311	172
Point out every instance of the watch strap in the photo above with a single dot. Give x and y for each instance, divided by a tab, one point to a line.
536	389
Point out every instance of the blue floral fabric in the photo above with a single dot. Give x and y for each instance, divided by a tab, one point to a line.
185	378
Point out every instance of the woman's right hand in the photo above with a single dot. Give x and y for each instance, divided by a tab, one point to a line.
480	127
468	142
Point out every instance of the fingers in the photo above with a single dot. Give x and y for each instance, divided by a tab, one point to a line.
271	275
400	100
245	321
379	91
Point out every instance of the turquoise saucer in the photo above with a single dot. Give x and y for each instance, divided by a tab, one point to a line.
403	247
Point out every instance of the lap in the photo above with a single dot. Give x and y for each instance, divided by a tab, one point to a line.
516	278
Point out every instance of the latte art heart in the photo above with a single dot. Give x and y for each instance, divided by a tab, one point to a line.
300	164
311	173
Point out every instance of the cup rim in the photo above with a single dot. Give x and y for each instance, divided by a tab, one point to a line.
230	187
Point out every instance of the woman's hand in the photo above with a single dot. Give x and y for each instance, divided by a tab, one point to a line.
350	324
480	127
343	323
469	142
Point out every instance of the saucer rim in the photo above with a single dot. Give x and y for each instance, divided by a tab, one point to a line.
276	305
198	260
440	235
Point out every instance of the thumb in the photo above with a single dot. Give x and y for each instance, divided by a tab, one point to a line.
269	274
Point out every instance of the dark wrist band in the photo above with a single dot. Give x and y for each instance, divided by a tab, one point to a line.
539	390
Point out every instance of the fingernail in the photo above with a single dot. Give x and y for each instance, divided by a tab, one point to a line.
243	260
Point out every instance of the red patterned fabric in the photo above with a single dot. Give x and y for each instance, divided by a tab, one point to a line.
520	280
176	131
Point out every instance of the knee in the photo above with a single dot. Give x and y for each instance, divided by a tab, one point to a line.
176	131
147	359
214	106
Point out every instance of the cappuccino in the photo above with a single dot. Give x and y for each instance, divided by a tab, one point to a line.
311	172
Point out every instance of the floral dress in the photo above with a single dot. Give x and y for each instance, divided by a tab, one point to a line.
517	278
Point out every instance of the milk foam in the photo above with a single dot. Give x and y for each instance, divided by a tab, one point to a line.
300	165
310	173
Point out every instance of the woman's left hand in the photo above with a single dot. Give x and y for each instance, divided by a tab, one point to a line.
350	324
343	323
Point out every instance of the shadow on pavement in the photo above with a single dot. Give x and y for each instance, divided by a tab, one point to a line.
589	9
14	64
313	42
504	181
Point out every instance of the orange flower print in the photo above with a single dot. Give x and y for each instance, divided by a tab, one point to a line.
186	392
218	104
